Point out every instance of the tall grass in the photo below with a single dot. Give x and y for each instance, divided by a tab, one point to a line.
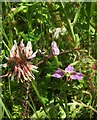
77	40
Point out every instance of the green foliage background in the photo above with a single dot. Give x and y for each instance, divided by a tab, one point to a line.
51	97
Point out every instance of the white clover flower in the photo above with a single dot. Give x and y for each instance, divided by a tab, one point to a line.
19	62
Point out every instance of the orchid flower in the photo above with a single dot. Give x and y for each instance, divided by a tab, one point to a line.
58	74
69	69
73	75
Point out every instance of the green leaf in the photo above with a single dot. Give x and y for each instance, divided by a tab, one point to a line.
40	113
5	109
1	84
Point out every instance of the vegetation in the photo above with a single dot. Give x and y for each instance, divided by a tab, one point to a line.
73	27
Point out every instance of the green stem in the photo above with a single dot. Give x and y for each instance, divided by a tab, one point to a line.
76	16
90	7
66	101
6	45
5	109
33	106
1	114
10	91
33	85
56	61
95	46
39	97
68	22
80	103
25	103
4	34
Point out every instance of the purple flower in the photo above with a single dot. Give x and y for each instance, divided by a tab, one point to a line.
54	48
76	75
69	69
73	75
58	74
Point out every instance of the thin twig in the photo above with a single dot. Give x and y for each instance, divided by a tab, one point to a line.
45	59
87	106
49	56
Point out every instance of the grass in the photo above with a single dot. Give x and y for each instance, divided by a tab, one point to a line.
51	97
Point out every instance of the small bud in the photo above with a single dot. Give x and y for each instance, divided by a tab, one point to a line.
54	48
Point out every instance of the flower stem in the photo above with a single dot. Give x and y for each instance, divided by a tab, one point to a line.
39	97
33	106
70	27
9	85
56	61
66	101
49	56
25	102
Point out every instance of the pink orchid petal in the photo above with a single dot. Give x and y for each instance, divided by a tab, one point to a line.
58	74
76	75
69	69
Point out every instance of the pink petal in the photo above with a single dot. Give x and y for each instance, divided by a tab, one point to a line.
33	55
94	66
54	48
27	72
22	73
28	49
69	69
21	46
13	50
76	75
58	74
12	77
31	67
15	68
